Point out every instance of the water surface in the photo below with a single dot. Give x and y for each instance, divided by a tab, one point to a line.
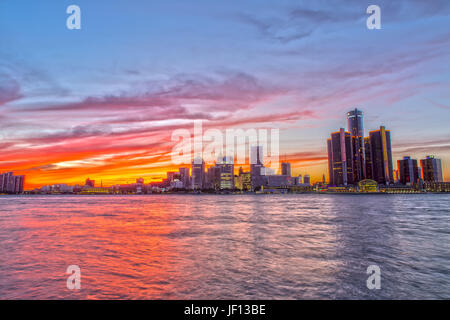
306	246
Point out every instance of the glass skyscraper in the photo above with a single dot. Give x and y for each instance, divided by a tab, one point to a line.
408	170
340	158
355	123
431	169
381	156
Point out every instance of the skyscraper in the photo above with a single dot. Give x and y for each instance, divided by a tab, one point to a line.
286	169
408	170
213	178
431	169
184	177
198	173
226	167
381	156
340	158
11	184
256	166
368	158
355	125
307	180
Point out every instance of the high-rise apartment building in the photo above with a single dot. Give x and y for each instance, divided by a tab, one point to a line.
340	158
381	156
198	173
408	171
431	169
286	169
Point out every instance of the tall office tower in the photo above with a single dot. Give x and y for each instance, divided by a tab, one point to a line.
198	173
381	156
368	158
2	182
6	182
340	158
212	180
184	177
307	180
432	169
286	169
10	183
355	125
256	166
226	166
19	182
300	179
408	170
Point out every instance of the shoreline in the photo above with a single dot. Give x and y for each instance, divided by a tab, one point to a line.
227	194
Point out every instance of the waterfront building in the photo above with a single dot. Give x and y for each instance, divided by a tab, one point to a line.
90	183
226	167
307	180
277	181
340	158
355	124
367	159
408	171
171	176
381	156
246	181
198	173
9	183
436	186
367	185
431	169
286	169
212	180
184	177
257	166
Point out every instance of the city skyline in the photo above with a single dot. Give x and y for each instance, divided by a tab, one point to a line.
294	66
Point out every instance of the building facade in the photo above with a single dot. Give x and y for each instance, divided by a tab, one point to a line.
381	156
355	124
198	174
9	183
431	169
286	169
340	158
408	171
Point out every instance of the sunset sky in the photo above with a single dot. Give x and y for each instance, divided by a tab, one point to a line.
102	102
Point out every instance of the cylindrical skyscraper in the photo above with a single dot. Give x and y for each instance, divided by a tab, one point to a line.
355	123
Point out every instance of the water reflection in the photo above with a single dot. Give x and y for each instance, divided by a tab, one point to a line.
219	247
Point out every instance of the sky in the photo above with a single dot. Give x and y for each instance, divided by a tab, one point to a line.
103	101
